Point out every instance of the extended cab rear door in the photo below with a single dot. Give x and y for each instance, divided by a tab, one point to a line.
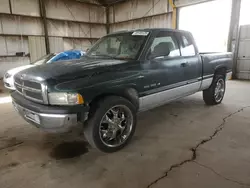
193	64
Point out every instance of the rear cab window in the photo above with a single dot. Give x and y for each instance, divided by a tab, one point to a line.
186	44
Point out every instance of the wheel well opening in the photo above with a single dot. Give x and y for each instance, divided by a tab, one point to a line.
129	94
221	71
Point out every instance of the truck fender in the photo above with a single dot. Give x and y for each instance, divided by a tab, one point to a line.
220	69
130	94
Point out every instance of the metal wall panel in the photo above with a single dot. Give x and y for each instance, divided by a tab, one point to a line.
75	11
16	25
17	44
162	21
56	44
134	9
97	14
25	7
36	47
244	48
98	31
25	33
81	44
3	47
9	45
243	56
75	29
68	29
245	32
7	63
4	8
179	3
85	30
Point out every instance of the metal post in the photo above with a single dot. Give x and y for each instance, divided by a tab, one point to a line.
107	20
10	5
44	20
174	14
234	33
234	23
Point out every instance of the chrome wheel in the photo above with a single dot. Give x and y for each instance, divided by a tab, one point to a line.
116	126
219	90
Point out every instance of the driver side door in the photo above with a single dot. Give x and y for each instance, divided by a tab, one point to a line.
165	72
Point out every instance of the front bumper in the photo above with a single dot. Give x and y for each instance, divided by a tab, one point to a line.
49	118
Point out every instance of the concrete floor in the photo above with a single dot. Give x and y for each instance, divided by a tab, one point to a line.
182	144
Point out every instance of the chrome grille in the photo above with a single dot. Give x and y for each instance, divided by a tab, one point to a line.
33	85
29	89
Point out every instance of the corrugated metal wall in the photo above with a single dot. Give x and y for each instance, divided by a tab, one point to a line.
71	24
140	14
56	44
243	55
37	47
133	14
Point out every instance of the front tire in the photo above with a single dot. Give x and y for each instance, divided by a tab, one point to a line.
215	93
111	124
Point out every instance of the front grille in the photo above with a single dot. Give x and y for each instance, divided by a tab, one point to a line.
18	81
29	89
34	85
33	95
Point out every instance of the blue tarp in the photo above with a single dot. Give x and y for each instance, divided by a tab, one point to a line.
67	55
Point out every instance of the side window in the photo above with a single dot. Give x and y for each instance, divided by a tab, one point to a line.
187	46
164	45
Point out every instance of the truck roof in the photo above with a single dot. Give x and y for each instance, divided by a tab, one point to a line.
149	30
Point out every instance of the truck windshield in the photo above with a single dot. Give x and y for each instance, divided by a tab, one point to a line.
119	46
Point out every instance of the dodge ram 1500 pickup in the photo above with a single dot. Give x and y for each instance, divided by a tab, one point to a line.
122	74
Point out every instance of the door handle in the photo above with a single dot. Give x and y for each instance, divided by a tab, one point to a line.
184	64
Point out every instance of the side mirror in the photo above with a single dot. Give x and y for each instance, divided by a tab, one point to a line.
160	50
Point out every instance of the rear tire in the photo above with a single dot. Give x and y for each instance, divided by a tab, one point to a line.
215	93
111	124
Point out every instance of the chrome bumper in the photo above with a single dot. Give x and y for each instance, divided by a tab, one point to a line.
48	122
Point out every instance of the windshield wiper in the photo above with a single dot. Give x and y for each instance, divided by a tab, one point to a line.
112	57
102	55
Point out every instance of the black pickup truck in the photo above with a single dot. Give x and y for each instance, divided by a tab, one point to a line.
122	74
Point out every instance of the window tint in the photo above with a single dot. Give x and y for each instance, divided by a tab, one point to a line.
164	45
187	46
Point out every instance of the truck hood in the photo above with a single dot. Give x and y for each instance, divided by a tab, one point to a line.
18	69
69	70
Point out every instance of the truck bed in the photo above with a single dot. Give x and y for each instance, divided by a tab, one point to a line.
214	60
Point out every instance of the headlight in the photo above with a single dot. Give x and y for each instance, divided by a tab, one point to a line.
65	98
7	75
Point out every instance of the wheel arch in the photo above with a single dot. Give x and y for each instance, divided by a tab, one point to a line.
130	94
222	70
